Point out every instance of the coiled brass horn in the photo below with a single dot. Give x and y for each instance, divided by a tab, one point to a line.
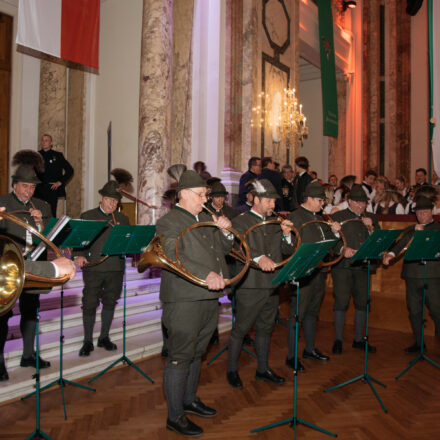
154	255
344	241
13	277
239	256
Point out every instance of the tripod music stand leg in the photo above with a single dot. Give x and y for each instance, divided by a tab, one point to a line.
421	356
124	359
37	432
61	381
295	420
365	376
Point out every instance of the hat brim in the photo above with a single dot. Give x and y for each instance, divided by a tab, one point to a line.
116	196
35	180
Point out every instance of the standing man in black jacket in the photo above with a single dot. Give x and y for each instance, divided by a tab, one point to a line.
302	179
102	282
351	278
254	170
413	273
274	177
57	172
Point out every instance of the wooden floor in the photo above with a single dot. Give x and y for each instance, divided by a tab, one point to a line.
126	406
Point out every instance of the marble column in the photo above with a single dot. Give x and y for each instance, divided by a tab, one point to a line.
183	13
155	106
52	107
75	141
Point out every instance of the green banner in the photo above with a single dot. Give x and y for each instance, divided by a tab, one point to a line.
328	69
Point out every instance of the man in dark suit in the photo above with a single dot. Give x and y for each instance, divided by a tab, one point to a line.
287	187
254	170
257	298
312	287
413	273
103	281
57	172
302	179
189	311
269	173
351	278
36	213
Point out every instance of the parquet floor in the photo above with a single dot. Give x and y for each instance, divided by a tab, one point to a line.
126	406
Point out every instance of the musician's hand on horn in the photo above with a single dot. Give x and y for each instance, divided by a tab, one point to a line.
266	264
223	223
367	222
65	266
81	261
387	258
37	215
336	227
215	281
349	252
2	208
286	227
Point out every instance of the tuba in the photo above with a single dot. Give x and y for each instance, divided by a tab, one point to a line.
13	277
154	255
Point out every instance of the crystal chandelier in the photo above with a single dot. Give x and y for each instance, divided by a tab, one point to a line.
259	112
292	121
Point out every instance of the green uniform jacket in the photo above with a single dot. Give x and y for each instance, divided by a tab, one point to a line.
414	269
314	232
227	211
264	240
14	231
355	233
93	252
201	251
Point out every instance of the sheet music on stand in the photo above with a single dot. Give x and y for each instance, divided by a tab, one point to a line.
55	229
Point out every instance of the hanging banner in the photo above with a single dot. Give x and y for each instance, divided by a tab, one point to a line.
67	29
328	69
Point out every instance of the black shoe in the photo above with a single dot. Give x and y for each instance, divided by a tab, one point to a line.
184	426
107	344
270	376
315	354
337	347
361	346
3	373
198	408
290	362
234	379
32	362
415	348
214	338
86	349
248	341
164	352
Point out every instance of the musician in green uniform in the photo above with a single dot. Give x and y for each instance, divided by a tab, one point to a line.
217	197
190	311
21	203
103	281
351	278
311	288
257	298
413	273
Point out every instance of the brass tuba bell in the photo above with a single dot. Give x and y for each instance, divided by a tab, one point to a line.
13	277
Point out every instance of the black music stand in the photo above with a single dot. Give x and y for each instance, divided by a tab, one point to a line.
373	248
302	263
79	234
37	433
425	246
123	240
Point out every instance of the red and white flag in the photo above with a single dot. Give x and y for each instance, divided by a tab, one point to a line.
67	29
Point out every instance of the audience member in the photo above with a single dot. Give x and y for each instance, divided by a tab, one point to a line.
254	170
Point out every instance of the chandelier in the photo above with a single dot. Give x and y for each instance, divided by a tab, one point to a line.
285	116
292	121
